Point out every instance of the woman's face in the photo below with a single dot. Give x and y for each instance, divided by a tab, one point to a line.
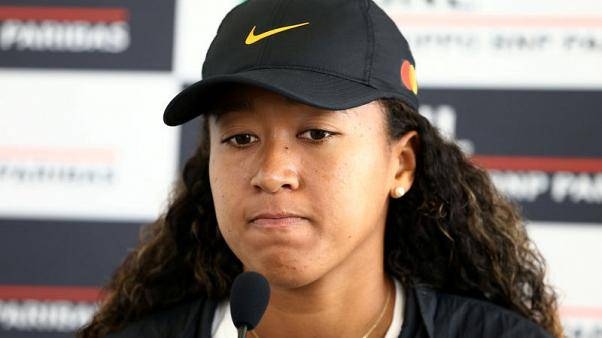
301	193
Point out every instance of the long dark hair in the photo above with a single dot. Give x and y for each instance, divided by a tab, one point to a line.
451	231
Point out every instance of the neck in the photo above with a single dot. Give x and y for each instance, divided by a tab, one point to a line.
348	308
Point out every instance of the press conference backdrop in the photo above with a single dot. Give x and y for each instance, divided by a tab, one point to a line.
85	159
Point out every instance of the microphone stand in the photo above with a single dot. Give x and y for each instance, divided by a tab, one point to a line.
242	331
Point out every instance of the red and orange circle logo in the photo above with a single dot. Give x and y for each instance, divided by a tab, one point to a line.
408	76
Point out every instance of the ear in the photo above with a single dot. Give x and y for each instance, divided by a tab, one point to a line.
403	153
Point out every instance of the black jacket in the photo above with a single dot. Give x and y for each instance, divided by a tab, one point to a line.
427	314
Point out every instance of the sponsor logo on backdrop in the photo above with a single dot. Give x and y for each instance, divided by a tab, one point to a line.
494	42
50	316
53	165
560	187
518	41
525	164
49	309
76	36
564	180
64	29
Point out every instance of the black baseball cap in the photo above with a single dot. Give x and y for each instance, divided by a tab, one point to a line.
331	54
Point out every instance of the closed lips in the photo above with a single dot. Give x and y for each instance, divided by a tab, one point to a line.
279	220
275	216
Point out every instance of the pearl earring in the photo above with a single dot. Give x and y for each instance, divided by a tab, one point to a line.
398	192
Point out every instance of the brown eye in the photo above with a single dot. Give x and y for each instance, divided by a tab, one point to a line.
241	140
316	134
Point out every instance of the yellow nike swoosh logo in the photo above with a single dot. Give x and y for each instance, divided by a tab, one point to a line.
252	38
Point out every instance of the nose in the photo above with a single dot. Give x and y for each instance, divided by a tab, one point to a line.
276	170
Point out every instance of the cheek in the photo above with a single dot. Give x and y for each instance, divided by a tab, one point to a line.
223	179
351	190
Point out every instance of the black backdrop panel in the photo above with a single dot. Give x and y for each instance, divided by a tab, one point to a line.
62	252
525	122
45	254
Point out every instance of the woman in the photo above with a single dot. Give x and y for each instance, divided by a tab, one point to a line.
316	170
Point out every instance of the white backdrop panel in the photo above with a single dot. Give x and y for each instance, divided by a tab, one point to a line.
100	152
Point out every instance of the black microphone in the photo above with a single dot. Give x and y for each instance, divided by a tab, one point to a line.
249	298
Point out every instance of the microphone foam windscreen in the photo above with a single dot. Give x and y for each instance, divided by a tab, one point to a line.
249	299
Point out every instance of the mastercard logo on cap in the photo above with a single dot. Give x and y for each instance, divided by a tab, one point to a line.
408	77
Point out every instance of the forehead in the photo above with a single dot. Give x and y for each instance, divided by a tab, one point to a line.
241	97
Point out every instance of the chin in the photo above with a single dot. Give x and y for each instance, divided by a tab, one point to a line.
287	274
287	281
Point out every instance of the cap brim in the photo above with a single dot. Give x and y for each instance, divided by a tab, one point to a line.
309	87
